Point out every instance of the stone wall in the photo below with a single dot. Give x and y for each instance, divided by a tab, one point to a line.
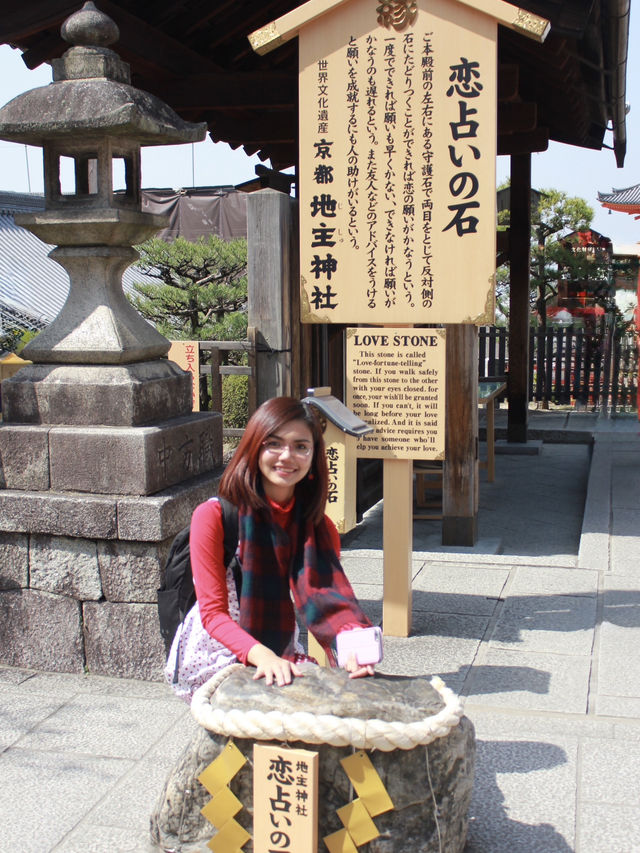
79	575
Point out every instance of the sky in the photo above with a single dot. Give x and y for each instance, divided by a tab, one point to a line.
576	171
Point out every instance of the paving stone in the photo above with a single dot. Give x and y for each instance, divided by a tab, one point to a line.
617	706
527	580
618	671
605	828
458	589
38	780
566	691
524	797
546	623
102	725
89	838
18	716
609	772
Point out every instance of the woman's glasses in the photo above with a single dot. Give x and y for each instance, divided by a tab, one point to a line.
277	447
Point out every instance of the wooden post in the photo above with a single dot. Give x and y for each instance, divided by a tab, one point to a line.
519	310
272	230
460	480
397	538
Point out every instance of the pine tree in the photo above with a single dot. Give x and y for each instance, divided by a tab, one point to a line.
201	290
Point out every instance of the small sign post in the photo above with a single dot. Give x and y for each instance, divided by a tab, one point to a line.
285	799
186	354
396	382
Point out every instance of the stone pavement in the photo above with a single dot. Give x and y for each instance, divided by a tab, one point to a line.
538	626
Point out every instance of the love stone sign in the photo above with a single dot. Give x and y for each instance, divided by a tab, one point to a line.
398	106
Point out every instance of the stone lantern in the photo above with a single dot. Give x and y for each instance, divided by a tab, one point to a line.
101	458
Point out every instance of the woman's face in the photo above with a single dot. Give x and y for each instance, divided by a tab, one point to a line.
285	460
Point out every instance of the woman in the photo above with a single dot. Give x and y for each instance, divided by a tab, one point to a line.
287	547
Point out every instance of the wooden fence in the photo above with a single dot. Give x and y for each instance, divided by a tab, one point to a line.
588	368
214	357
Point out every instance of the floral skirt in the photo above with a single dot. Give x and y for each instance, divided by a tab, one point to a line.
195	656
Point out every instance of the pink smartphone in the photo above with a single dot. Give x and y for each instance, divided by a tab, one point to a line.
365	643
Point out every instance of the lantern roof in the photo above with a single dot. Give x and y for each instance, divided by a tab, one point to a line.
91	95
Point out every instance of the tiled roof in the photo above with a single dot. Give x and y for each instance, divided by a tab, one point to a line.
628	195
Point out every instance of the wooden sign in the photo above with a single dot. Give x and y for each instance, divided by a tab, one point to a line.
342	467
396	383
186	354
397	164
285	799
397	155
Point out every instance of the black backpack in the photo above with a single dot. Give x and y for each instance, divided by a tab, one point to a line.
177	596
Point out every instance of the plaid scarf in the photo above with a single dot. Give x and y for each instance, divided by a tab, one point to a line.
302	561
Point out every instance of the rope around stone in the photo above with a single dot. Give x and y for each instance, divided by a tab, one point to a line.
324	728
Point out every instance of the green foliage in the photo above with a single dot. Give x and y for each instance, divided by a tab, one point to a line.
235	401
201	290
15	340
552	260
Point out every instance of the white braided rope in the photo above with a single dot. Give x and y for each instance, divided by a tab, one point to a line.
324	728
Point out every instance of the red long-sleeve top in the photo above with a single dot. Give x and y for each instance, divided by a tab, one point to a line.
210	573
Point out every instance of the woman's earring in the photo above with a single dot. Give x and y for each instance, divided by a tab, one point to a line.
311	475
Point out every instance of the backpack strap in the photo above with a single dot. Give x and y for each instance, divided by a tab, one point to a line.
230	544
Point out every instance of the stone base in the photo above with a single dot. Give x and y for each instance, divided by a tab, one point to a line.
110	460
79	576
440	771
107	395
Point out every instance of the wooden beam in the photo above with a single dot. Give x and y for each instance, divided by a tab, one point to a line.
275	127
508	82
32	18
517	117
288	26
232	91
519	308
143	45
524	143
460	476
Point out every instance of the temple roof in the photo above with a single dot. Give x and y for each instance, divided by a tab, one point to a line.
622	199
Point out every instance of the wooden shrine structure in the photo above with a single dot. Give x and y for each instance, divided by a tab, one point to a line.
197	57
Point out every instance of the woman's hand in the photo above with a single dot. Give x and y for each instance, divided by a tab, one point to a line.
271	667
355	670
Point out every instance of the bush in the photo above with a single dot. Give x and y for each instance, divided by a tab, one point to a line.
235	401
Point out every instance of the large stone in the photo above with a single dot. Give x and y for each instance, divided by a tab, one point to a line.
123	640
131	571
158	517
65	566
24	456
40	631
134	460
88	516
441	770
91	395
14	561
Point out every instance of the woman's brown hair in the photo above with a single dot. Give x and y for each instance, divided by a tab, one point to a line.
240	483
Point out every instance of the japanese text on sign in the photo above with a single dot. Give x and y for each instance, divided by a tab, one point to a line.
285	792
397	205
